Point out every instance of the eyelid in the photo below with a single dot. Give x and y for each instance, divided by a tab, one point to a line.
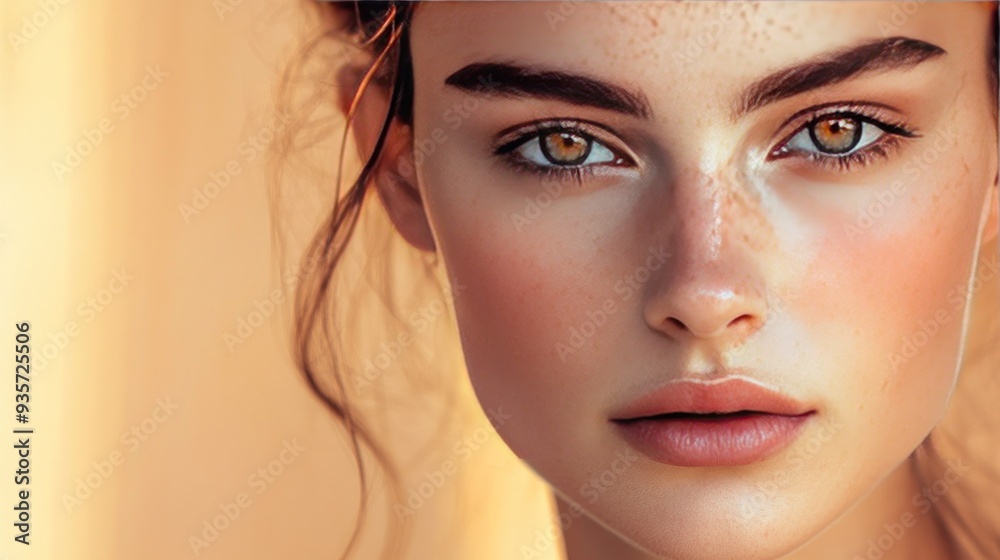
866	108
870	113
511	138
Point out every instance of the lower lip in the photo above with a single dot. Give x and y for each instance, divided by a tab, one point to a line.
713	441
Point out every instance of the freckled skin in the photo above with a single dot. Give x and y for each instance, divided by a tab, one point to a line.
822	307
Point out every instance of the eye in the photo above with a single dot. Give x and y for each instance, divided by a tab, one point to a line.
564	148
833	135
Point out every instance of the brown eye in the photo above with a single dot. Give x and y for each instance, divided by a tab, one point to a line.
836	135
565	148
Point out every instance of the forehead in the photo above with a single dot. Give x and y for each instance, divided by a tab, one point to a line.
677	42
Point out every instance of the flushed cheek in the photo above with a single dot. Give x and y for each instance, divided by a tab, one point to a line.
888	291
519	289
512	319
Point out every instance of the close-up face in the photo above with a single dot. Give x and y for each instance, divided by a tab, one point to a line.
714	259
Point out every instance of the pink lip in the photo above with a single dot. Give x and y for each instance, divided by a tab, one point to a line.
728	423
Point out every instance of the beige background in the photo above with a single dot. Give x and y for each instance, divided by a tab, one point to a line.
160	339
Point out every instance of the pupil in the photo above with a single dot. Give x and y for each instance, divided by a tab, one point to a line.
837	135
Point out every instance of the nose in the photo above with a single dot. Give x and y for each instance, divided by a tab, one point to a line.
707	306
715	284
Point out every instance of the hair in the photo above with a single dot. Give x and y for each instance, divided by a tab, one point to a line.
379	30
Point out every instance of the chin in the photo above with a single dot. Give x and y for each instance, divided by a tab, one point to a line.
709	522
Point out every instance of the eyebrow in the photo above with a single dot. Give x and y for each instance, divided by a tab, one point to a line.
516	80
893	53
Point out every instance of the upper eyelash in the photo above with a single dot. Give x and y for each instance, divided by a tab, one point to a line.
895	132
576	173
539	129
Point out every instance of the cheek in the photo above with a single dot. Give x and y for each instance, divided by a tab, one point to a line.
539	315
894	307
521	289
512	320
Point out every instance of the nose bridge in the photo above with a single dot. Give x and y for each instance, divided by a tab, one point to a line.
700	202
715	284
717	218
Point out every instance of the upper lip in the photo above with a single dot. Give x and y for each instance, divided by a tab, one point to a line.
717	396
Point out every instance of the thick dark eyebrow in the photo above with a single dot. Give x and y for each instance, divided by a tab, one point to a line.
893	53
515	80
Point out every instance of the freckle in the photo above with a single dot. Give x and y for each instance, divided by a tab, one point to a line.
652	20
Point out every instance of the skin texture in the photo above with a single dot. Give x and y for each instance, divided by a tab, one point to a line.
715	258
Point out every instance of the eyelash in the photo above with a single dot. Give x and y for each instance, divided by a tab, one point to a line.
893	135
576	173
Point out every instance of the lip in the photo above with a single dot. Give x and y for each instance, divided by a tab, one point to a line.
731	421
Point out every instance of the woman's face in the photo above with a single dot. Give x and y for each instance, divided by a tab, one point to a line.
637	197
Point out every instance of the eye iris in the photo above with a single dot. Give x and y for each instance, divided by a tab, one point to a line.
565	147
836	135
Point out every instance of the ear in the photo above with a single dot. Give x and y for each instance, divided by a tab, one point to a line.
393	176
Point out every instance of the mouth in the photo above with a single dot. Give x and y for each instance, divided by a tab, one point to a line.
729	422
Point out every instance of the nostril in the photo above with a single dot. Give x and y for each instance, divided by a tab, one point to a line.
677	323
745	321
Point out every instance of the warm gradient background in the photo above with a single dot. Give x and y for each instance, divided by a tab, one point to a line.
160	340
201	75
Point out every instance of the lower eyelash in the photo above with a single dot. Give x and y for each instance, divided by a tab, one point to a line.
880	150
578	174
